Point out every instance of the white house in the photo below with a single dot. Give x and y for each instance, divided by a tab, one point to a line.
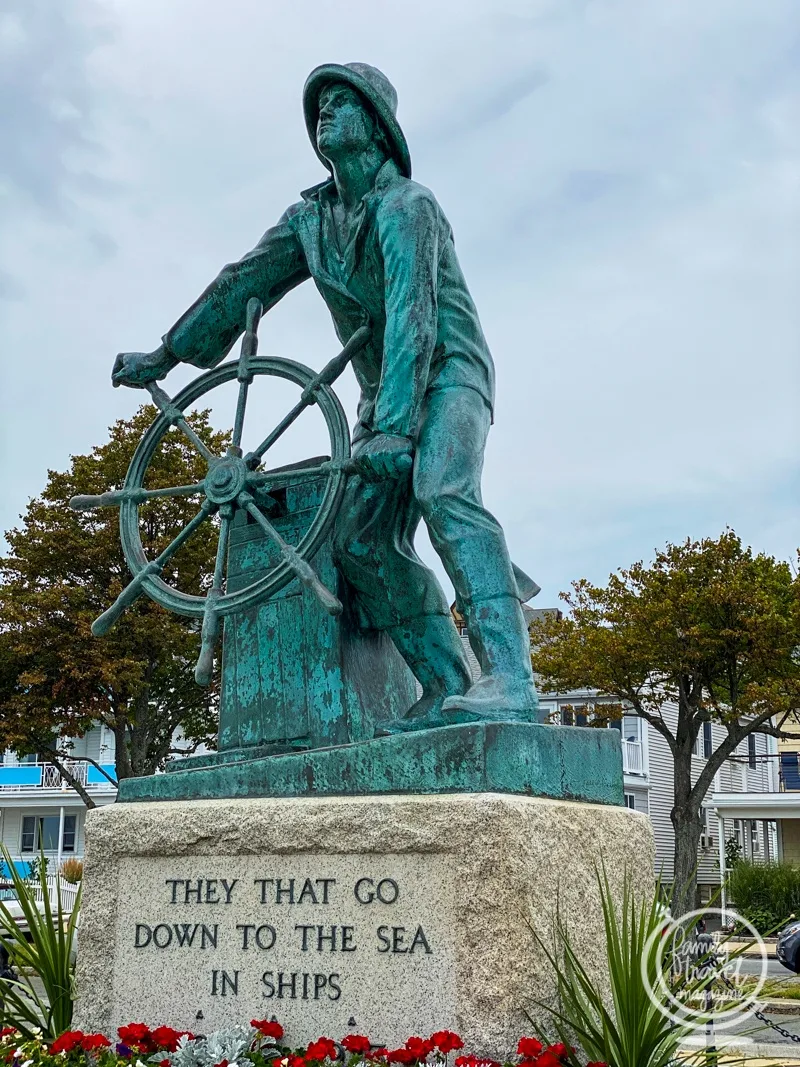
40	811
648	784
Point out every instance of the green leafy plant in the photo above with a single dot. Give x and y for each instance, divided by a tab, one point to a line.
766	894
634	1028
733	852
43	960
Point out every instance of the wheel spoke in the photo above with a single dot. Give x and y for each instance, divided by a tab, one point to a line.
134	589
116	497
302	569
177	418
211	617
245	373
327	376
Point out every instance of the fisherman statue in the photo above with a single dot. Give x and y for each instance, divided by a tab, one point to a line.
381	252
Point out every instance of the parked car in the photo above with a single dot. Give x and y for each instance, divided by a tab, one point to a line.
788	950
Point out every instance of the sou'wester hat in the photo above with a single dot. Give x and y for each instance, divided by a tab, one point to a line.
375	87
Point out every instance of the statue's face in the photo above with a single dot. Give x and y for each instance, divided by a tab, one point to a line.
345	123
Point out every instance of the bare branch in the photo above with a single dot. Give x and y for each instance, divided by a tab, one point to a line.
56	759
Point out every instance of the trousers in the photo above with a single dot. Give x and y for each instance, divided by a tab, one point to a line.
374	536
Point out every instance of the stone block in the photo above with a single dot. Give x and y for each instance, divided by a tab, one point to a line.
384	915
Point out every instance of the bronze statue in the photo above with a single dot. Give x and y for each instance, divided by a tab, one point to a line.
381	253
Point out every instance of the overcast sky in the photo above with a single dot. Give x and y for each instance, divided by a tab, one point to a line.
622	179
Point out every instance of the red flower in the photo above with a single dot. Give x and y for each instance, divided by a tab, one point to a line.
296	1061
222	1063
67	1041
596	1063
529	1047
321	1049
164	1063
357	1044
559	1049
133	1033
446	1041
377	1054
549	1059
401	1055
167	1038
420	1048
7	1030
268	1027
93	1041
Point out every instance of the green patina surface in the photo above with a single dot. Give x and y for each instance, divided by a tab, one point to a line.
294	676
563	762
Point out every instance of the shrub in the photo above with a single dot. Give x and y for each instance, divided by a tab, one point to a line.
635	1028
37	995
72	870
766	894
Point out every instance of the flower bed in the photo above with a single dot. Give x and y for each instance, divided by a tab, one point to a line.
260	1046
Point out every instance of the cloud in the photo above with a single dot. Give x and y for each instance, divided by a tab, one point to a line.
622	182
45	97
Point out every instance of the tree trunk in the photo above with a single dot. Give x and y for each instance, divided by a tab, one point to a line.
687	824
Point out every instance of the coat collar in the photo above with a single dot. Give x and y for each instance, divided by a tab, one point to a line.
387	175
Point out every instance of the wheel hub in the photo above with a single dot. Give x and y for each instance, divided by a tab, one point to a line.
225	480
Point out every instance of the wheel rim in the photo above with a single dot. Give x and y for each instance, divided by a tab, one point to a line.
192	605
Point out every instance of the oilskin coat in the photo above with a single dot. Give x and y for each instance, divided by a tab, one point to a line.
398	272
426	375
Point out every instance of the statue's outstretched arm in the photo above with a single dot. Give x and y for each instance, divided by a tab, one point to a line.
205	333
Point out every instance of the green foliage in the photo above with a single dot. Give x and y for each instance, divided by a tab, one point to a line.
47	958
733	853
64	569
630	1031
37	869
765	893
709	626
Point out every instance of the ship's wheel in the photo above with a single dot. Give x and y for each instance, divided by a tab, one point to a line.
232	482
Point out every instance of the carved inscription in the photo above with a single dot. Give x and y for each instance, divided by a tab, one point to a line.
313	939
326	939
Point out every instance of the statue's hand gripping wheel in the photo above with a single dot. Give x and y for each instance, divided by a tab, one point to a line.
232	482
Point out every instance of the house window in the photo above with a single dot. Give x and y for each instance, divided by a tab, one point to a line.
754	842
751	750
630	801
42	834
708	745
28	834
574	715
738	833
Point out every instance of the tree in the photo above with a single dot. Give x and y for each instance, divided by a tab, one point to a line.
64	568
709	626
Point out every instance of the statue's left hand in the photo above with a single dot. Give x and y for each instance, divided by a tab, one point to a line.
385	456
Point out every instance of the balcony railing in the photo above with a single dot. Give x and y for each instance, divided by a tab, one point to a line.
25	776
632	762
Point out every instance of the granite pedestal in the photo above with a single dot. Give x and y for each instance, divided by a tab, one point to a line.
385	915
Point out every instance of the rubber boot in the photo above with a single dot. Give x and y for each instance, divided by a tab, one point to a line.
505	690
431	647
